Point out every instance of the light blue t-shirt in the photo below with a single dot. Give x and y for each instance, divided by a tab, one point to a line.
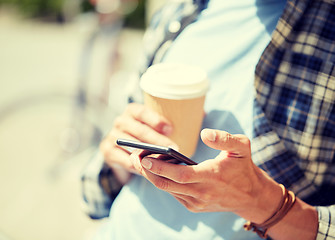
227	40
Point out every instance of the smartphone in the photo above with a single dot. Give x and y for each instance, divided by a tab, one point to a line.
156	149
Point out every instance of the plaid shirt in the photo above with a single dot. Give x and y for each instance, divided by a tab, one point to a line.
294	108
294	111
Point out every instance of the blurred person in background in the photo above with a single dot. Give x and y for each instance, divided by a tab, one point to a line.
271	67
113	16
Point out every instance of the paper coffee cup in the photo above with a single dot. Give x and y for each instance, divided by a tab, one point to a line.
177	92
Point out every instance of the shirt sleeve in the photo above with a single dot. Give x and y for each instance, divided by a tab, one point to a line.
326	223
99	188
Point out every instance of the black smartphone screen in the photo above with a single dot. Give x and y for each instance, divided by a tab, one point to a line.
156	149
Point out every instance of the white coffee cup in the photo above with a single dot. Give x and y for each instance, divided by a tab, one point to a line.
177	91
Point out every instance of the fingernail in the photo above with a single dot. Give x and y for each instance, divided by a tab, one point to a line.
167	130
146	163
211	135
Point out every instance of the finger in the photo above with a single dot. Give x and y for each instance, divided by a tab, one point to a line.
150	118
109	142
186	198
175	172
166	184
158	180
120	157
136	157
181	200
142	132
187	190
191	203
116	156
236	145
184	202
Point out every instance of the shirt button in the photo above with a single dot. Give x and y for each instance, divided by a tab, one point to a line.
174	26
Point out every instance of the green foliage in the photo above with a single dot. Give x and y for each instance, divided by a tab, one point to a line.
53	10
86	6
136	19
36	8
46	9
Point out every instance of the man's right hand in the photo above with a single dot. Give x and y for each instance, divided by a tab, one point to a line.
138	123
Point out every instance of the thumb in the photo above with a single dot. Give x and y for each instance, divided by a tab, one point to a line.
236	145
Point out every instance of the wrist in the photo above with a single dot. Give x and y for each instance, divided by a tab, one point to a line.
288	199
266	198
301	222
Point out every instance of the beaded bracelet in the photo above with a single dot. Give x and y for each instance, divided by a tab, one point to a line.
285	205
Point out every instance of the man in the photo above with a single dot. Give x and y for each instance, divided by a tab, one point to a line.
292	132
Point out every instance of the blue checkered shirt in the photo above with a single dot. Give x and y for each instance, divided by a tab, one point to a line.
294	111
294	107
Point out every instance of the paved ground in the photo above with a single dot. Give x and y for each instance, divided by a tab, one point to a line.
39	179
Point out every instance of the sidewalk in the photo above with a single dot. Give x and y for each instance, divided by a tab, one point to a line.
40	191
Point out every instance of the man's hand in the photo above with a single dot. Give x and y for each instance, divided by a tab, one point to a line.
230	182
140	123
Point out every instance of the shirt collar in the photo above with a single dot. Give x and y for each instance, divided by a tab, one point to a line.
201	3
